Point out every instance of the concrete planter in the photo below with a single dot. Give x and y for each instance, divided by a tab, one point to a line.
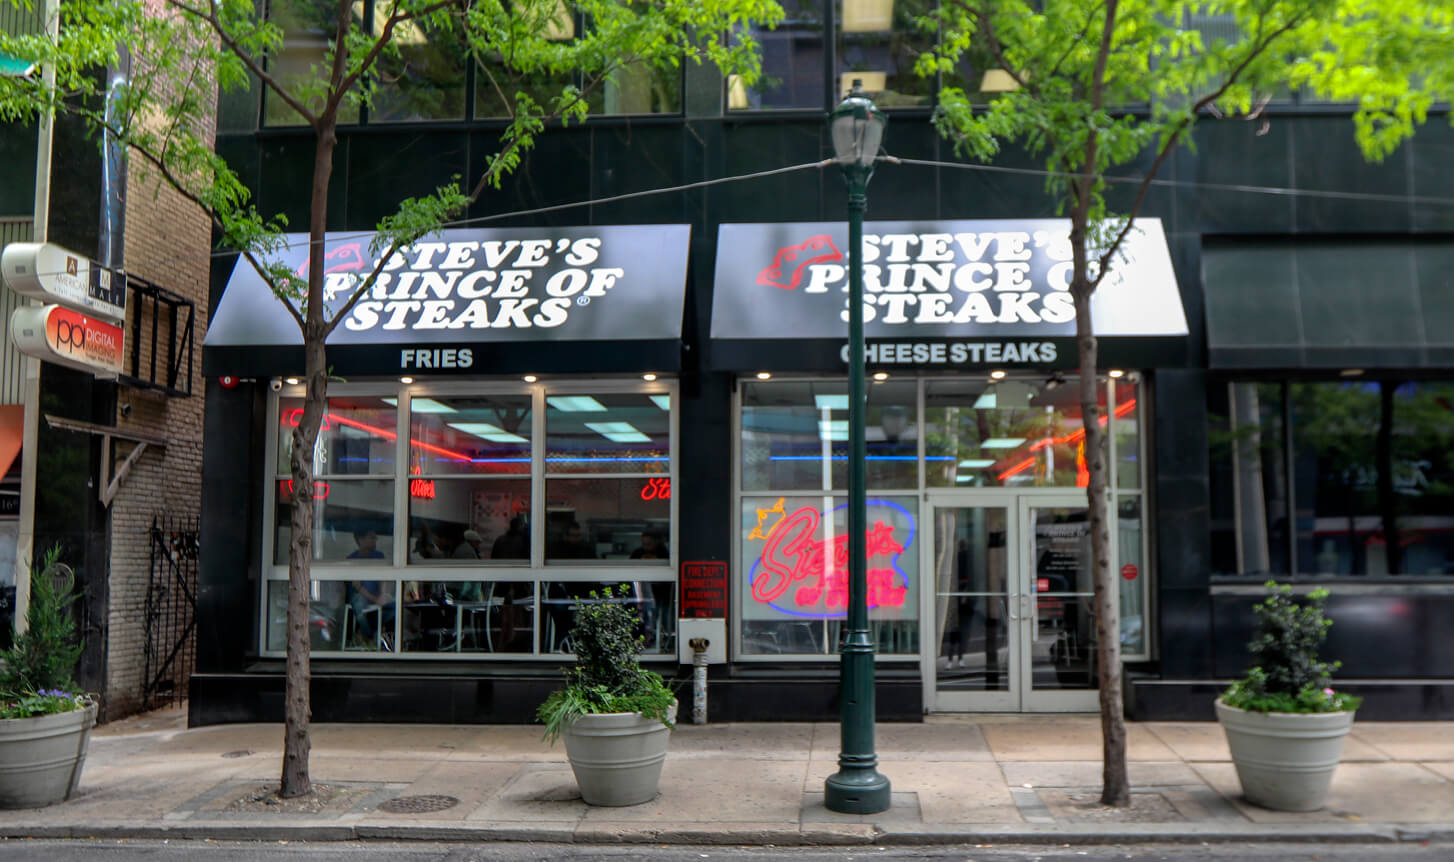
41	757
616	756
1285	760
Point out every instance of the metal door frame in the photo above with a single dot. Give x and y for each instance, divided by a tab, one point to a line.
1019	541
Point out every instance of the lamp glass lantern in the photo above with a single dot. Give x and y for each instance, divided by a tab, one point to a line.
857	129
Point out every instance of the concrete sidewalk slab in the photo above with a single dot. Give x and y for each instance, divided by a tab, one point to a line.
989	779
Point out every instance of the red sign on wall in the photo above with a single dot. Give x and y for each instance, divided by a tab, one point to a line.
704	590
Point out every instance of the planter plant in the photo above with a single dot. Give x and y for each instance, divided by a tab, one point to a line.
1285	724
614	715
45	720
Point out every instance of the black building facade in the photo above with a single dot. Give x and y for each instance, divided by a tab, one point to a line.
630	405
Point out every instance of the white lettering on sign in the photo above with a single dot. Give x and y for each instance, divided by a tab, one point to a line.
494	284
417	358
956	352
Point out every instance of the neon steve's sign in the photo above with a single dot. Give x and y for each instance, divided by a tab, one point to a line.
797	573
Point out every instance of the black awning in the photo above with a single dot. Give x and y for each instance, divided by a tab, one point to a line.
506	301
938	294
1344	303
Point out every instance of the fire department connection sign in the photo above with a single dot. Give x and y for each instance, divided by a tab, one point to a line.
947	280
458	287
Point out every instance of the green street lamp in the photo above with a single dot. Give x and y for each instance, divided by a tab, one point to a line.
856	127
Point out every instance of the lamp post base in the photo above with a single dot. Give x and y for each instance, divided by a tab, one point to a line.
856	791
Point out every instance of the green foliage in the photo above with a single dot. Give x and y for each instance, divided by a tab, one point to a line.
1096	95
1287	675
607	675
36	672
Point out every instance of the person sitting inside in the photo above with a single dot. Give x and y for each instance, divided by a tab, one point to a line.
369	601
368	546
514	544
652	546
573	545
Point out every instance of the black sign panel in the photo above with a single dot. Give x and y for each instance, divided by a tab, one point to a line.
439	305
987	281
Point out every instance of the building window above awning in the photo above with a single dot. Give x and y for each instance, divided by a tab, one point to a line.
473	302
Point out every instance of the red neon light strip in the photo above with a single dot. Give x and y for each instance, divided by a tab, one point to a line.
292	419
1073	437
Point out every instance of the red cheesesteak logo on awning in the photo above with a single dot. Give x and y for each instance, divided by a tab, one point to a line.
817	249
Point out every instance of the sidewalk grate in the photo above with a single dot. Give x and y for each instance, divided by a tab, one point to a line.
418	804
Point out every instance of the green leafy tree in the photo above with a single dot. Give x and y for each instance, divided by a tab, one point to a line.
1119	84
183	50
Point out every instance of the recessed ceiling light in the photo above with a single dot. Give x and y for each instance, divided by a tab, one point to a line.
648	377
1002	442
530	378
1351	372
1116	372
422	405
292	381
486	431
976	463
997	375
881	375
575	404
662	401
764	375
406	380
831	402
618	432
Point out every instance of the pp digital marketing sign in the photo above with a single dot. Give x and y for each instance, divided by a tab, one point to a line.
795	558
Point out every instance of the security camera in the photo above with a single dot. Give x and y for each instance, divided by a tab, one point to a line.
125	409
276	385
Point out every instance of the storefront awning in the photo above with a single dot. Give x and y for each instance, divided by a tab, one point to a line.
473	302
938	294
1359	303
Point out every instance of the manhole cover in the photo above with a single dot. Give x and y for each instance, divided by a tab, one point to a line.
241	752
417	804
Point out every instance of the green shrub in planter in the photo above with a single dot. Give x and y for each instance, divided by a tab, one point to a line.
36	673
1286	675
607	676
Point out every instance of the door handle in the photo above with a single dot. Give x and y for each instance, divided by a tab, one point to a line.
1010	608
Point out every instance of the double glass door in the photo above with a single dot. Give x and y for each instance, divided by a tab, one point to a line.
1010	596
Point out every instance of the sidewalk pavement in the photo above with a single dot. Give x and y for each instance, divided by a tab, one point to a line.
956	779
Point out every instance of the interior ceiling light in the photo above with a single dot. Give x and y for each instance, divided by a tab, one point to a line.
984	402
976	463
575	404
1116	372
530	378
1002	443
648	377
764	375
997	375
831	402
618	432
833	429
422	405
406	380
486	431
662	401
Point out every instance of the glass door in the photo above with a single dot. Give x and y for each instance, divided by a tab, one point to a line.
1056	614
970	660
1008	590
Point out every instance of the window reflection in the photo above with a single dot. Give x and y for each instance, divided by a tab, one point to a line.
308	28
478	434
468	616
356	435
1006	433
795	436
622	520
792	62
469	519
353	519
423	78
879	41
617	433
653	601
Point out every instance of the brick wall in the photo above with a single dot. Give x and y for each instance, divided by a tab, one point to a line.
168	242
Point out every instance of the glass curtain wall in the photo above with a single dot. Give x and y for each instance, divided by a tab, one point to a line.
450	522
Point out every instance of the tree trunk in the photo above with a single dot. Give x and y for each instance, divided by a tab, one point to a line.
296	741
1116	787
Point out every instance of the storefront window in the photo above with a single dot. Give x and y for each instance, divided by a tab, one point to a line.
608	519
795	436
405	524
1369	479
1006	433
607	433
1128	433
1133	569
654	603
793	577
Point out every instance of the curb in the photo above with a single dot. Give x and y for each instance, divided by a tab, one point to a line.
705	835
